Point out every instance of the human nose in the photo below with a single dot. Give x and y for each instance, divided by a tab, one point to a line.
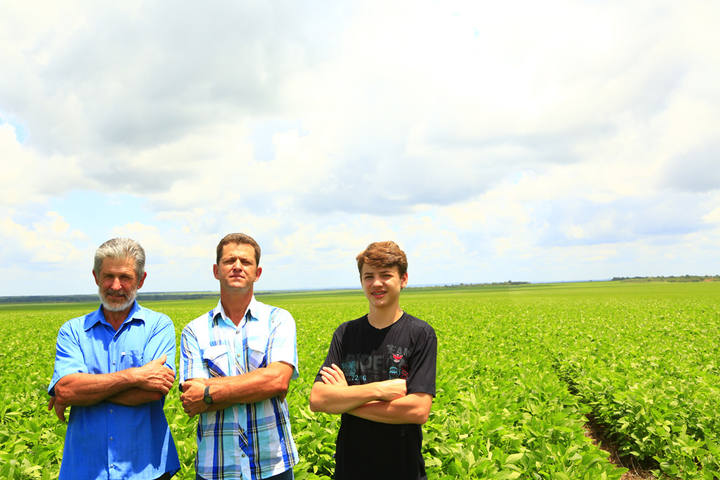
116	284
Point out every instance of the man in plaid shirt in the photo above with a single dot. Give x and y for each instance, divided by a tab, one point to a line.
236	364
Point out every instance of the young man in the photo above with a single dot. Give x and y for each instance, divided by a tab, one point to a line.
115	366
379	374
236	365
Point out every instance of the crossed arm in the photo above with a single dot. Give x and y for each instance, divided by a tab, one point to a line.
254	386
132	386
383	402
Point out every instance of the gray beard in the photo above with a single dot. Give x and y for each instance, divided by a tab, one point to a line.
116	307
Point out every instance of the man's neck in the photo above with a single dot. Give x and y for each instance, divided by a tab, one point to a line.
382	318
116	319
235	304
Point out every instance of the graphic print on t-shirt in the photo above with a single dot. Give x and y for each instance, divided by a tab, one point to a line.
362	368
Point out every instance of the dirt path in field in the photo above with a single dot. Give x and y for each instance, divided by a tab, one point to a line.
596	433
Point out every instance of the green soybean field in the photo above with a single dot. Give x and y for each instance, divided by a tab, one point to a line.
526	376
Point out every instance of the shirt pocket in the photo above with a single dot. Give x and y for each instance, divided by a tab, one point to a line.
217	360
257	353
130	359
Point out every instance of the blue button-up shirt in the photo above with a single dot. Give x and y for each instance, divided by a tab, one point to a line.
108	441
245	441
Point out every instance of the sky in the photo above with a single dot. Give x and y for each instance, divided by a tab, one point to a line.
493	141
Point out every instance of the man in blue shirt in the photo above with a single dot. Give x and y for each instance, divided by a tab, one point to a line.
114	366
235	369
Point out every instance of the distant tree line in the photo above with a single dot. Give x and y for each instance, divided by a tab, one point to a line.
672	278
494	284
94	298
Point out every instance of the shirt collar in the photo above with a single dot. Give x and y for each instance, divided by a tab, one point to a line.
254	311
92	319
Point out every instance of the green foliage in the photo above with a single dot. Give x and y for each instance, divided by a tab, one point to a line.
519	366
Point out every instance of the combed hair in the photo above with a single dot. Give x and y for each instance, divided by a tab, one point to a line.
240	239
121	248
383	254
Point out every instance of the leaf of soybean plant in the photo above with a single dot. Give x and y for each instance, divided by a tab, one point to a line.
514	458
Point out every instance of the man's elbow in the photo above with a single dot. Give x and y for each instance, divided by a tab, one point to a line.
421	416
316	401
421	412
63	394
278	385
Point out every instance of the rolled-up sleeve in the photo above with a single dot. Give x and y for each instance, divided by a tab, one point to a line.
68	354
191	362
282	346
162	341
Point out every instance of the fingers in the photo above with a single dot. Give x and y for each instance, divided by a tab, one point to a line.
333	375
60	412
338	371
192	397
59	409
160	360
329	376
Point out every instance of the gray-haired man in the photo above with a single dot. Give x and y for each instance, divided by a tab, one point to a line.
115	366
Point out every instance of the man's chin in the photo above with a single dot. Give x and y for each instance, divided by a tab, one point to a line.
117	306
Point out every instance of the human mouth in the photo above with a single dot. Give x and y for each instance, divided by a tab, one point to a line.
119	295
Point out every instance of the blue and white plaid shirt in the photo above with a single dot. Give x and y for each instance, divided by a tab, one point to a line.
244	441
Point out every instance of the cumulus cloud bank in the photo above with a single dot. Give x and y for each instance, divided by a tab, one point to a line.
550	141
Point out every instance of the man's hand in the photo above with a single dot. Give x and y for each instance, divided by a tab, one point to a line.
333	375
192	396
59	408
388	389
155	376
392	389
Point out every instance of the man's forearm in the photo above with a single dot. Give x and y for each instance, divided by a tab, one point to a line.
254	386
257	385
330	398
134	396
91	388
413	408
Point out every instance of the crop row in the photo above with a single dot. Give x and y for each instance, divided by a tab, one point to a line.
652	380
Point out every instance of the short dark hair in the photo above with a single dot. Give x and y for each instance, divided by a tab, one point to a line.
383	254
241	239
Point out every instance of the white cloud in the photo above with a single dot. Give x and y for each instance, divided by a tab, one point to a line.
46	244
490	139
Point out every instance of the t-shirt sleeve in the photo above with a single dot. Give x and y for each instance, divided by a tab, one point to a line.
68	354
422	374
334	354
282	345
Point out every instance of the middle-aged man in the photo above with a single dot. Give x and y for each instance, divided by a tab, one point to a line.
114	366
236	364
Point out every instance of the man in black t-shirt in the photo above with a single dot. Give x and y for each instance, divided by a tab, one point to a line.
379	373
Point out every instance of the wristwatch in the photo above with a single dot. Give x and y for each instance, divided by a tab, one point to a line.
206	396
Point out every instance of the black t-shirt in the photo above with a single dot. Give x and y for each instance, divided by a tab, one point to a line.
406	349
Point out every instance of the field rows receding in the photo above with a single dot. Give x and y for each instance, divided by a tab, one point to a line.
518	369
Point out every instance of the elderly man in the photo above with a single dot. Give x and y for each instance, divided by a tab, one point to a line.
114	366
236	364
